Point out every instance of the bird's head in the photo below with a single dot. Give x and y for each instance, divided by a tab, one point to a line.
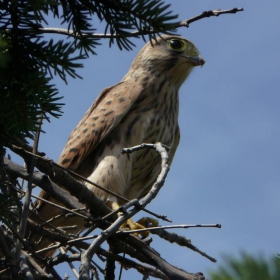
170	56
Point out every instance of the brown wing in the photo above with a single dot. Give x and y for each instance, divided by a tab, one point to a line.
104	114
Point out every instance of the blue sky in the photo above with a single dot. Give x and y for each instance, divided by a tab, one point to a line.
227	166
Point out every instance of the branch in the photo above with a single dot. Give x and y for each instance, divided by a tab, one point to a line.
27	200
173	237
169	270
64	177
144	31
88	254
206	14
165	267
46	184
127	263
143	252
162	150
27	247
10	258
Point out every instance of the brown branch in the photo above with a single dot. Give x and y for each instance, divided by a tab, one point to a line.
28	192
10	258
143	253
27	247
64	177
173	237
206	14
169	270
182	241
46	184
138	33
145	270
61	195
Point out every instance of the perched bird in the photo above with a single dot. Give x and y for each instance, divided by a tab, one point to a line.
142	108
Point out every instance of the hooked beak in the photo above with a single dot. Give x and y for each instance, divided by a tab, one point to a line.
196	60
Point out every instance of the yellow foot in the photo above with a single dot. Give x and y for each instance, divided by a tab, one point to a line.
143	223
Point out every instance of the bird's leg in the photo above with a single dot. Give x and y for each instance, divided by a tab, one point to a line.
143	223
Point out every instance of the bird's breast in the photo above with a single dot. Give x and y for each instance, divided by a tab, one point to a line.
156	123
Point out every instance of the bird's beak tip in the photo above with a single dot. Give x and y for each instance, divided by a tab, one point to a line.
197	60
201	62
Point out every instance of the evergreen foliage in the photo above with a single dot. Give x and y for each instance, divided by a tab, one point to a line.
248	268
28	60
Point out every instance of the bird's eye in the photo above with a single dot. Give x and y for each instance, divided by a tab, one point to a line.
177	45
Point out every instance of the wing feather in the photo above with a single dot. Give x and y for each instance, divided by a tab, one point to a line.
105	113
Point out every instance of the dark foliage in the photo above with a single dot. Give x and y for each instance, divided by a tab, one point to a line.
28	60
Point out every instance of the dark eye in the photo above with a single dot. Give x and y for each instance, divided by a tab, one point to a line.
177	45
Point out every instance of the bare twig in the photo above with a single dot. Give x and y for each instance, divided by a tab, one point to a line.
60	175
182	241
150	254
161	149
87	254
175	238
156	261
183	23
145	270
24	267
35	265
155	229
70	264
10	258
95	204
72	211
206	14
26	245
26	203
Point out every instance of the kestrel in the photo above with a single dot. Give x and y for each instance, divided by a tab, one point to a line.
142	108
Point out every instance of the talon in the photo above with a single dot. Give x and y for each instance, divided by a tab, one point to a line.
148	222
143	223
134	226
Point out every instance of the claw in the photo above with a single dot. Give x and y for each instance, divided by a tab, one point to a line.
143	223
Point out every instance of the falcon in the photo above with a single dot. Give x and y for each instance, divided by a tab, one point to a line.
142	108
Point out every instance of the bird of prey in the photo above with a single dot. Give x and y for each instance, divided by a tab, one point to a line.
142	108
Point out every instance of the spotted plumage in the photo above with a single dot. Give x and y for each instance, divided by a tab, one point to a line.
143	107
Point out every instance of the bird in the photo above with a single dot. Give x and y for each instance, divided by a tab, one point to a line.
142	108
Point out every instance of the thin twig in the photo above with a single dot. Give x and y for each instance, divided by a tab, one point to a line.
82	188
162	150
128	263
206	14
138	33
70	264
26	245
35	265
24	267
26	203
10	258
72	211
45	183
151	229
182	241
94	246
87	255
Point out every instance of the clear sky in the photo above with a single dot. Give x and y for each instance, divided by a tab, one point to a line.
227	166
